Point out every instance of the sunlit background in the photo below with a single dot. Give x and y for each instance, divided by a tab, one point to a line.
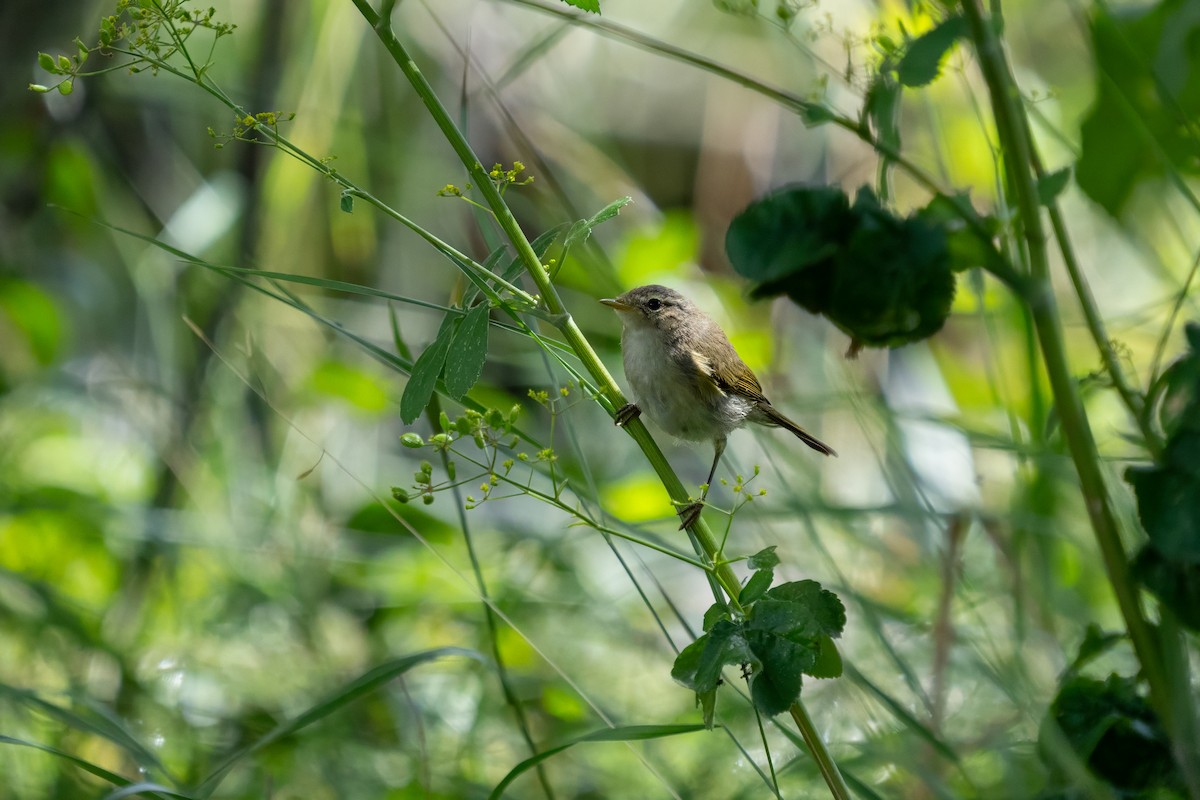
197	540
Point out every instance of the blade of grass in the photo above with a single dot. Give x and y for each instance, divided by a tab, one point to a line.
627	733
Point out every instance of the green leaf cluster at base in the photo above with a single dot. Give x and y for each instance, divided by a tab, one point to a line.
785	634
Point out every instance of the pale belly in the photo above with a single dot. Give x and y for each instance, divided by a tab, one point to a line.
667	393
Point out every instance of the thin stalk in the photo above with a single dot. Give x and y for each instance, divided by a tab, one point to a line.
609	394
1018	161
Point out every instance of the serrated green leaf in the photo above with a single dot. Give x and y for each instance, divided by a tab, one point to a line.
922	60
756	587
1052	184
813	610
764	559
464	362
425	372
627	733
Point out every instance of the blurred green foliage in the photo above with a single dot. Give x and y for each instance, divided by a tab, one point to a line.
202	572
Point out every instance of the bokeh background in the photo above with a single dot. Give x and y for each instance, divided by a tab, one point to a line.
197	540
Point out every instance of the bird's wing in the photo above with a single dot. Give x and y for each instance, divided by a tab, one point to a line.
742	383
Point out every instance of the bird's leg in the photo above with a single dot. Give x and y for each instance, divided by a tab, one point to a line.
626	414
691	512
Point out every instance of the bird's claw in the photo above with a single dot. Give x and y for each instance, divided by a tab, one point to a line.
626	414
689	514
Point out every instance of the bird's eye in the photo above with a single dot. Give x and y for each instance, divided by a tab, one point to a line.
654	304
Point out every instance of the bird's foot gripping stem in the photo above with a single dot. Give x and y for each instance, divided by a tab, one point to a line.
626	414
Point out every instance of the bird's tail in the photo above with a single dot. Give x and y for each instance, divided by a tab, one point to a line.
775	418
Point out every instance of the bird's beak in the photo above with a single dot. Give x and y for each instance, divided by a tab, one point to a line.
616	305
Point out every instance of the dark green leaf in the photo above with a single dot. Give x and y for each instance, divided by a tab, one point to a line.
425	372
764	559
756	587
829	660
628	733
87	766
775	684
1147	93
1115	732
347	203
1176	584
1168	498
922	60
1052	184
464	361
813	610
882	279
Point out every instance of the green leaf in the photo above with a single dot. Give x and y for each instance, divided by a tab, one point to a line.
582	229
764	559
817	611
756	587
1115	732
884	280
425	372
627	733
1147	90
464	362
775	684
698	666
829	660
715	613
1052	184
1168	498
922	60
592	6
347	202
87	766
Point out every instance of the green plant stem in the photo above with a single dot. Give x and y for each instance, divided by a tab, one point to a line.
829	771
609	392
1018	161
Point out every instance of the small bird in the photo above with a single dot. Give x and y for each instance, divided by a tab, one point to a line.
688	378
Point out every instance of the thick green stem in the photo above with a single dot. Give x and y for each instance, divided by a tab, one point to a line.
1018	161
609	392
